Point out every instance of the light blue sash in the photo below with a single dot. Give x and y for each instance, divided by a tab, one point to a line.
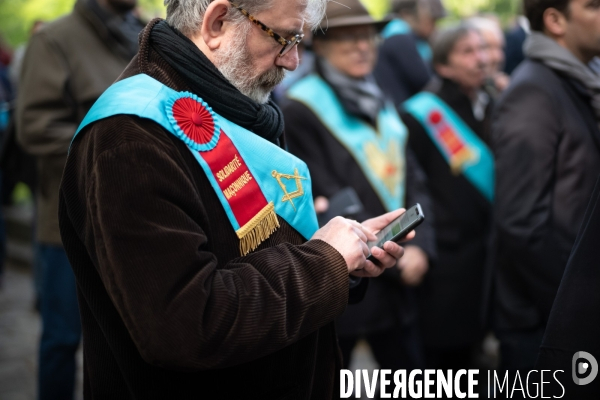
399	27
395	27
379	154
270	165
464	151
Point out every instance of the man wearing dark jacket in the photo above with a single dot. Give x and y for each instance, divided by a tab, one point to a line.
404	61
448	132
547	147
67	65
350	135
574	323
201	270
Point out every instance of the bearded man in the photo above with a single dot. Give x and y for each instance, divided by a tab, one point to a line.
192	232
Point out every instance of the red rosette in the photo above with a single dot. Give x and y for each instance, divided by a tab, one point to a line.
435	117
194	122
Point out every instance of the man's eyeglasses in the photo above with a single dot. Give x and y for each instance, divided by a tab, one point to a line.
285	43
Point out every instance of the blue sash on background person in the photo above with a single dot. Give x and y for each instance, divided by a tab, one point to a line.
395	27
464	151
254	179
379	153
400	27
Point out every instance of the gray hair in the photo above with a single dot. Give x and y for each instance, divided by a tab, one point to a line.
444	41
486	24
187	15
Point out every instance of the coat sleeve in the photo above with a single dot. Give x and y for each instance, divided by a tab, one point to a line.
46	122
181	307
526	135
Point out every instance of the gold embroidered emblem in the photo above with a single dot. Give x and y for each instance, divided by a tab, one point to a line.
387	165
289	196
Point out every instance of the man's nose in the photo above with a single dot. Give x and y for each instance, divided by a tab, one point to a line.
290	60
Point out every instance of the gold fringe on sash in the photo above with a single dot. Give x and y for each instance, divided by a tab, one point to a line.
258	229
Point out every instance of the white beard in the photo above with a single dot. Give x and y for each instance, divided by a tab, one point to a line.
236	64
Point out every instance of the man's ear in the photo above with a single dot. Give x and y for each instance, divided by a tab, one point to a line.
214	24
555	23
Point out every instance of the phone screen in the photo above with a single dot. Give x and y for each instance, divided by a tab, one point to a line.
390	231
403	224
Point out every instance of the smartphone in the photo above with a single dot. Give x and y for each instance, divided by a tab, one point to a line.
399	228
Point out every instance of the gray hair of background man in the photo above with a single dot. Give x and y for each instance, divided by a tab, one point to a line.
404	6
482	23
444	41
186	15
433	8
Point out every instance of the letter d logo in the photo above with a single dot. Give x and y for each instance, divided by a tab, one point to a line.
583	367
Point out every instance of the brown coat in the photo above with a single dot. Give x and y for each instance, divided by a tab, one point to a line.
67	66
168	307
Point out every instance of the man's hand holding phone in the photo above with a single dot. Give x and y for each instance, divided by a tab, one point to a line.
350	239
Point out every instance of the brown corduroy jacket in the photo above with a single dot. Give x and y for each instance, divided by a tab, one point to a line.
169	309
67	66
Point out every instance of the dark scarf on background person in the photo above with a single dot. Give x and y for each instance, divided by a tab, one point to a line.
540	47
123	29
360	97
205	80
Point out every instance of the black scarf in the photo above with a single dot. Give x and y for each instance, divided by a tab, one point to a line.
360	97
205	80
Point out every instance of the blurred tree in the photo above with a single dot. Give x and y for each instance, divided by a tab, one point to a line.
505	9
151	9
17	16
377	8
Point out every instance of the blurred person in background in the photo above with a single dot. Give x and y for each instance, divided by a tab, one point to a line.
400	69
595	65
404	62
6	52
448	132
18	166
491	31
418	17
6	106
17	60
338	121
546	141
515	37
574	322
67	65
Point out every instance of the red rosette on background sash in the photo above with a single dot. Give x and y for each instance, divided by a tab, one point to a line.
435	117
194	121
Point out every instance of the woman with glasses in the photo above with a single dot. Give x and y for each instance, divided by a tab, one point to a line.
339	122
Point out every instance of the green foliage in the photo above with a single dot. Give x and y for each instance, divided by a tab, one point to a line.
377	8
505	9
151	9
17	16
